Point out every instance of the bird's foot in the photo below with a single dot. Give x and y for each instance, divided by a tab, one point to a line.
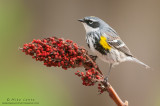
106	79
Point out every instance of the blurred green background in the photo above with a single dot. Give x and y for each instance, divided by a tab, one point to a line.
21	21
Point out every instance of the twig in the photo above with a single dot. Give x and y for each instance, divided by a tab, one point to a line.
114	95
94	64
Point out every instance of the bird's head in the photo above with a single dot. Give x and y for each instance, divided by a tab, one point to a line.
92	23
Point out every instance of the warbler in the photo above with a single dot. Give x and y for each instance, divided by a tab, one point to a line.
105	43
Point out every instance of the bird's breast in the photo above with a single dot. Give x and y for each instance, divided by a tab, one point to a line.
97	43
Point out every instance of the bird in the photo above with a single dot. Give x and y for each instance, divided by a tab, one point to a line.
106	44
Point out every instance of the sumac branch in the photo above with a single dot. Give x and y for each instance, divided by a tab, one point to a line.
58	52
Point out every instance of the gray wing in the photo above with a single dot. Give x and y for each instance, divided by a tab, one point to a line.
115	41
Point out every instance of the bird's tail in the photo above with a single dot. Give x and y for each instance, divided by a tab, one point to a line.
138	61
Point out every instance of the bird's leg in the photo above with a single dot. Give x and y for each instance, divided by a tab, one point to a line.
106	78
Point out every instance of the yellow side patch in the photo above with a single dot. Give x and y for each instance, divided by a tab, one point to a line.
103	42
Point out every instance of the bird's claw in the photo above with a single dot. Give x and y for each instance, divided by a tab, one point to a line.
106	79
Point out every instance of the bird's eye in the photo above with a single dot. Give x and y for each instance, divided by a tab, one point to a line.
90	22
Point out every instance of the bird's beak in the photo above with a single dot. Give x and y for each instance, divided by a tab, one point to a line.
81	20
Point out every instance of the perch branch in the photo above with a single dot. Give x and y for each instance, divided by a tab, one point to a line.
114	95
58	52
